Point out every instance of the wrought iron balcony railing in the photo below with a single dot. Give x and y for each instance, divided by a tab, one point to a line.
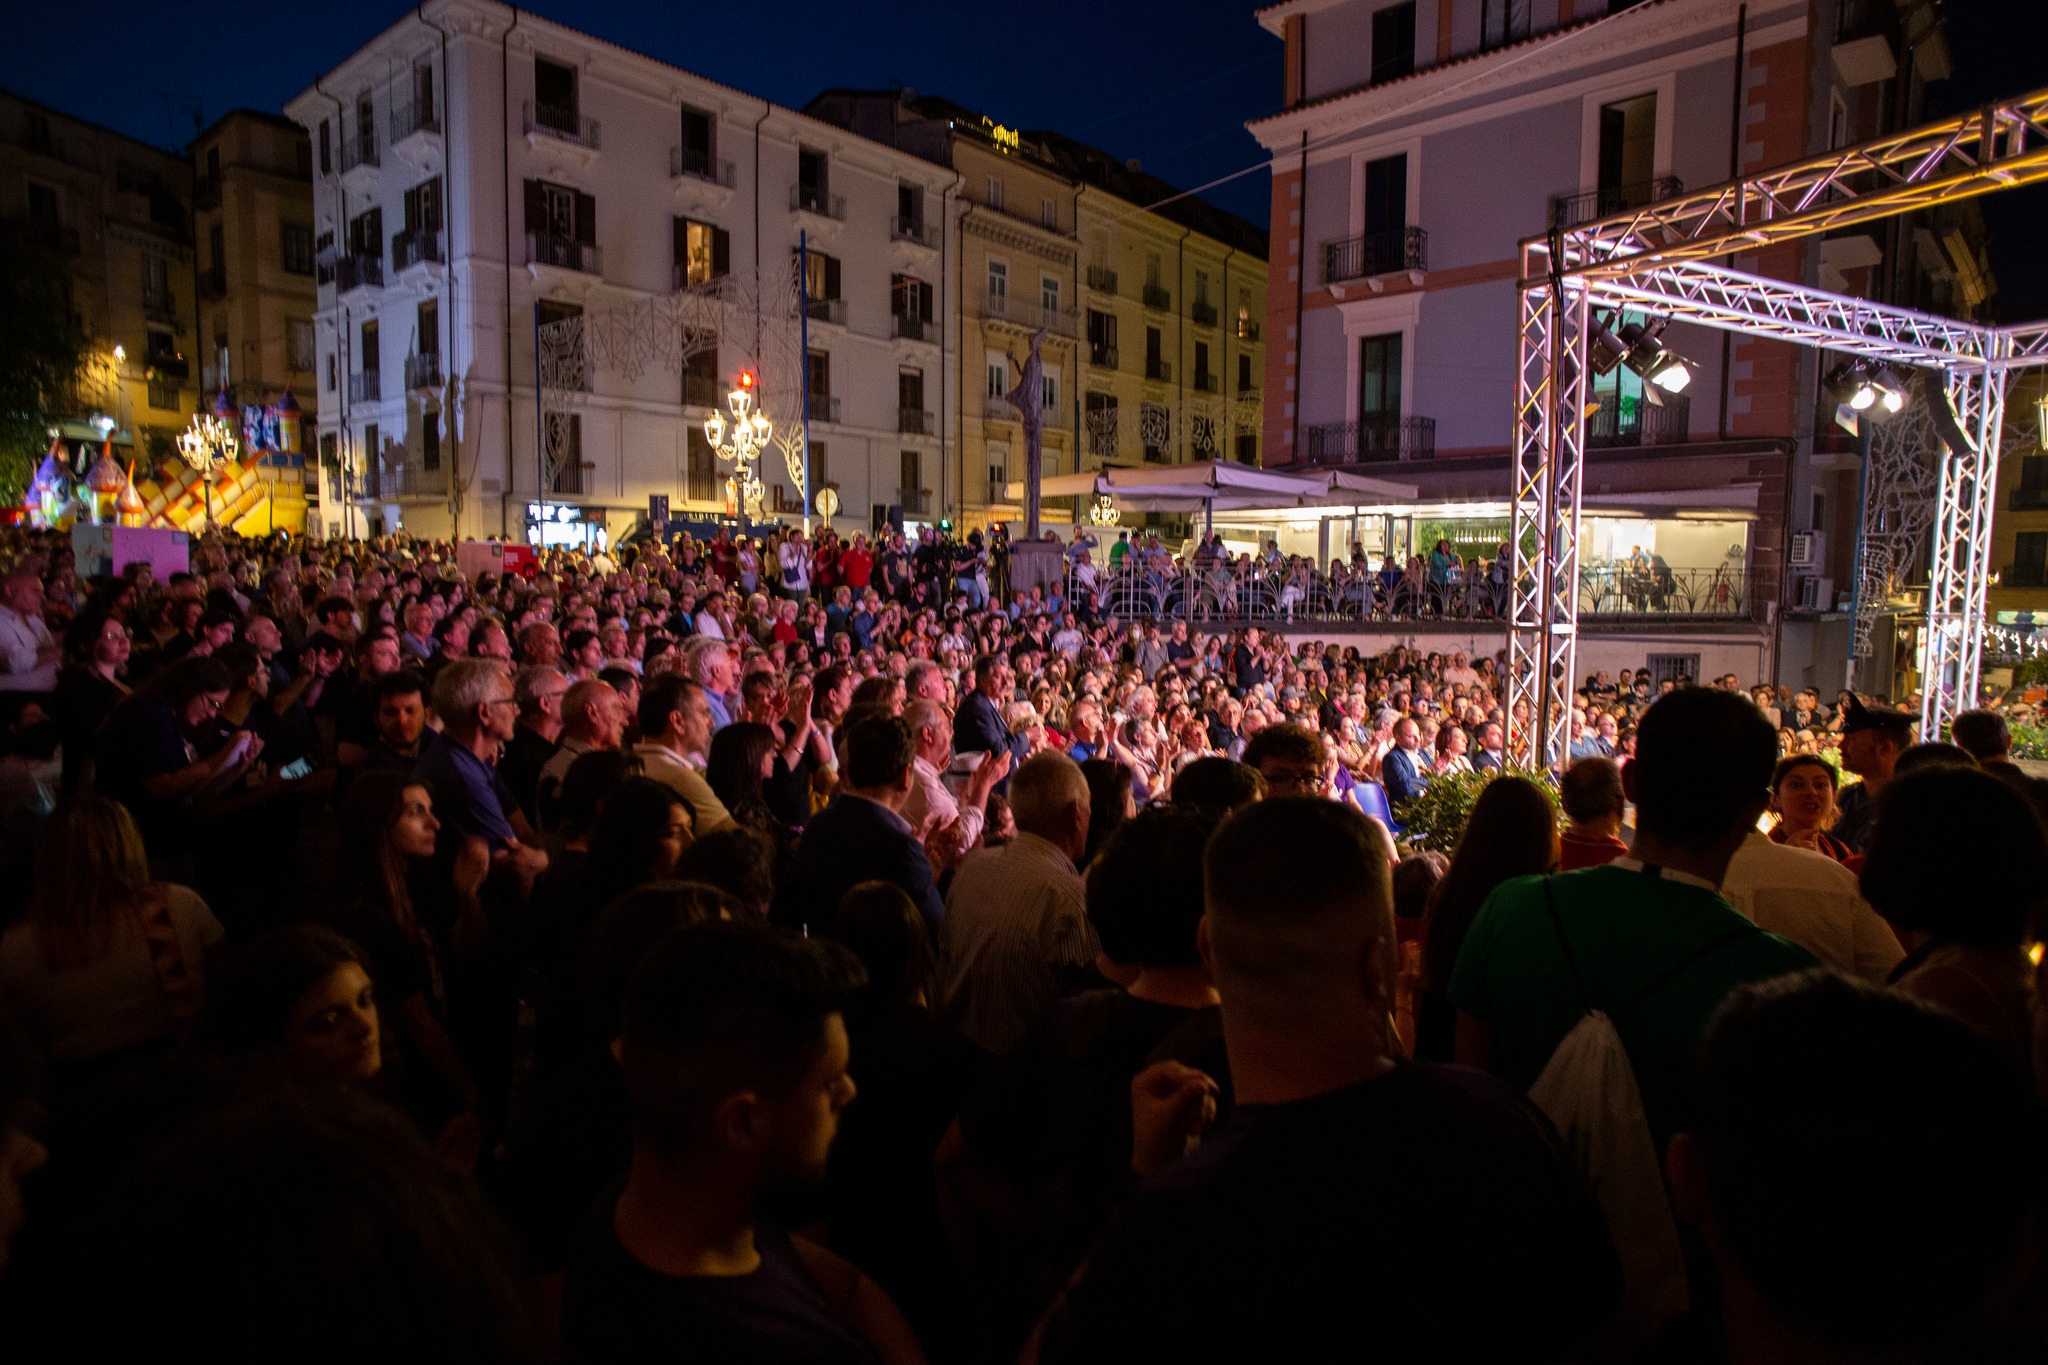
1159	298
423	371
417	247
366	386
418	116
358	271
562	123
1638	422
812	199
1102	279
1371	439
546	248
1376	253
1570	210
697	164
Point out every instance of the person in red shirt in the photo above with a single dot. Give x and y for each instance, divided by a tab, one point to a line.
1592	799
856	565
825	565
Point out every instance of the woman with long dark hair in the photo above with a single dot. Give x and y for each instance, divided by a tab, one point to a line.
90	684
1111	801
301	999
1512	833
147	756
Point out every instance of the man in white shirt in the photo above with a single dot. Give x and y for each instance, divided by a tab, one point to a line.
26	647
1811	899
930	806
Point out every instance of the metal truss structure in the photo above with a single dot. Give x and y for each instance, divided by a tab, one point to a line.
1657	259
753	319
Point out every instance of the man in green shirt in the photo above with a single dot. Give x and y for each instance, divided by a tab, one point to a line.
1646	938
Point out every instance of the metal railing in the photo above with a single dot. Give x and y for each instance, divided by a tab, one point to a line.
2023	576
423	371
358	152
397	481
416	116
812	199
1376	253
1158	371
365	386
1159	298
1103	357
358	272
824	310
702	391
914	501
546	248
1656	590
915	422
1247	330
700	165
824	407
1058	321
171	366
2027	499
1374	438
562	123
159	304
417	247
1202	313
163	397
912	329
1639	422
1207	383
995	409
912	230
1570	210
1102	279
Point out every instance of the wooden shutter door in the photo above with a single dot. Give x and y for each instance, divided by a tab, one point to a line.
586	219
536	208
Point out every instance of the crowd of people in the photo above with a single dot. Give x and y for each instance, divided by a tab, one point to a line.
814	949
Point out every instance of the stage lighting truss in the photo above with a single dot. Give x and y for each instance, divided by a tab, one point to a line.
1657	261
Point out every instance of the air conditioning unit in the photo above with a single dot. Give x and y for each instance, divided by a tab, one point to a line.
1816	594
1808	549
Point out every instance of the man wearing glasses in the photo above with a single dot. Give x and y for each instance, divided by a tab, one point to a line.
478	711
538	689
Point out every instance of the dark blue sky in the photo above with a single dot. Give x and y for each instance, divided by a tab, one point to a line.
1170	82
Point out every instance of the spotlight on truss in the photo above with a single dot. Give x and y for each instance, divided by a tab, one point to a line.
1657	365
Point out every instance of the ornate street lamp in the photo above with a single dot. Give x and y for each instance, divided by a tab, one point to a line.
1104	512
208	445
739	442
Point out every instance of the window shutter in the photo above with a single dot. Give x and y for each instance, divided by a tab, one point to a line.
682	239
831	277
434	185
924	302
586	219
536	208
721	252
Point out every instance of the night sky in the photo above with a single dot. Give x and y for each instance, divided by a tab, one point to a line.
1170	82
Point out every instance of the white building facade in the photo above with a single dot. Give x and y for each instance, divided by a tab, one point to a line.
481	176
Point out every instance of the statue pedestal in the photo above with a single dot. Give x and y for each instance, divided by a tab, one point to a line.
1036	563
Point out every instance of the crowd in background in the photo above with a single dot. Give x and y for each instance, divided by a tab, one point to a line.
826	948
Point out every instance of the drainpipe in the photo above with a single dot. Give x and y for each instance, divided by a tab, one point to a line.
766	109
448	226
1300	286
505	145
1223	379
348	516
1180	329
945	313
961	267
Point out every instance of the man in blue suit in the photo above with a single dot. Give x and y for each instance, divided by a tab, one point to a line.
862	836
978	726
1401	771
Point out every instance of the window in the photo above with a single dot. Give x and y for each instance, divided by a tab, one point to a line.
1048	213
366	234
1155	425
323	258
1393	42
910	299
1049	293
333	372
1155	359
818	368
995	192
560	222
423	206
1049	396
703	252
299	351
1102	339
373	442
295	245
910	209
1502	22
699	153
910	479
1386	204
42	208
1244	373
821	276
1153	267
430	440
423	95
156	283
1671	668
565	440
1379	383
427	327
554	97
1202	377
217	257
700	474
326	148
813	180
369	358
998	374
701	386
910	390
820	475
1100	414
1201	289
1628	151
998	285
366	124
2029	560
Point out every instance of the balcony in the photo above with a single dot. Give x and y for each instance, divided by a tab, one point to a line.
813	199
912	329
419	247
702	391
398	482
912	230
2026	499
366	387
1375	438
423	371
561	125
824	310
1619	590
915	422
213	282
1203	313
563	253
1247	330
915	502
1102	279
1375	254
1638	422
358	153
1207	383
1102	357
419	116
1570	210
168	367
823	407
163	397
691	163
358	271
1026	315
2023	576
1158	371
1158	298
994	409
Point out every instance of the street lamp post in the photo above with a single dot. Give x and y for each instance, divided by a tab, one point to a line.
208	445
739	442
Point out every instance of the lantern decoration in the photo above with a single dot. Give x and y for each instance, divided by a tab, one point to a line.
740	444
208	445
103	484
129	508
285	424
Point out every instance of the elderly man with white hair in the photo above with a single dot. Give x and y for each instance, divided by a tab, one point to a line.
931	807
712	668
